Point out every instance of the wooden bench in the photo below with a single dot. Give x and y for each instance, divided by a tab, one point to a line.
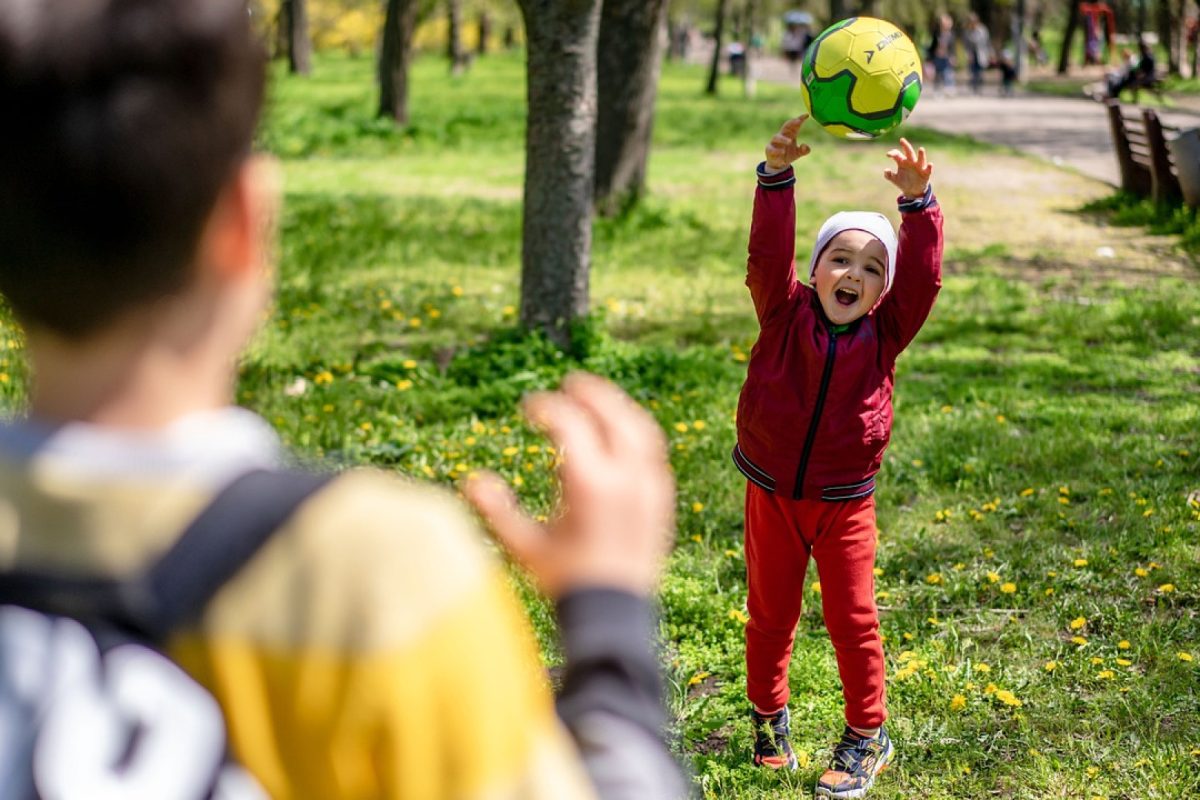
1147	166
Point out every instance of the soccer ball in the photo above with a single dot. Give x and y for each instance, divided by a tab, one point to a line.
861	78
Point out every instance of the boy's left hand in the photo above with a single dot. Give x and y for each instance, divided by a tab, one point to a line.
911	175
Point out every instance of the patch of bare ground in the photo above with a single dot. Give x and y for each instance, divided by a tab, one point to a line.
1033	210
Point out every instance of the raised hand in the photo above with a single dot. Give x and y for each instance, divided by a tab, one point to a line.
783	149
615	520
911	175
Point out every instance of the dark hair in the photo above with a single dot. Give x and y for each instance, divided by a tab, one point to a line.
122	121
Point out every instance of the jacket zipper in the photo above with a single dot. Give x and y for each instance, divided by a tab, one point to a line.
818	407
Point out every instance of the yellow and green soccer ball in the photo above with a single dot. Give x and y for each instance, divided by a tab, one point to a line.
861	78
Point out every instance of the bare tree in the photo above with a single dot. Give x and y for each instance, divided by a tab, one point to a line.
454	47
629	61
1064	58
299	47
1167	34
485	32
399	23
714	72
560	141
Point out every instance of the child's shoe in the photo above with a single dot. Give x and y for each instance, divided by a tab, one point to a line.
856	762
772	740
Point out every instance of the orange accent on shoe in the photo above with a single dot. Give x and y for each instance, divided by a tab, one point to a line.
773	762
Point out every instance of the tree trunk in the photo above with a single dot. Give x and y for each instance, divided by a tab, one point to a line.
1064	58
837	10
1167	35
868	8
714	72
399	23
628	65
485	32
298	45
454	48
560	141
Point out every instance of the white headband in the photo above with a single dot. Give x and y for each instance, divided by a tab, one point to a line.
875	224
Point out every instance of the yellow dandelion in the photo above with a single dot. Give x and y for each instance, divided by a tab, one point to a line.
682	427
916	462
457	291
908	637
366	426
1008	588
933	578
878	572
993	577
816	587
404	385
1097	661
508	311
1050	666
983	668
1066	501
699	424
1008	698
697	537
1124	662
1167	588
327	408
1000	418
1049	591
697	507
697	678
958	702
1026	492
533	449
1141	572
1123	644
737	614
1079	640
410	364
731	553
323	378
1185	656
1078	623
510	451
518	480
1093	771
1081	562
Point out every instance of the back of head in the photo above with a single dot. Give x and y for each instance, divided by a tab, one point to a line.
123	119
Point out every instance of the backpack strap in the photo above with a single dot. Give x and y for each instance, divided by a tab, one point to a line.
175	590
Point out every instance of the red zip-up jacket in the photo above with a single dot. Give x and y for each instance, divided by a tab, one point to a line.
815	412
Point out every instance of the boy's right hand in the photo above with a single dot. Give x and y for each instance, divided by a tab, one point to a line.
783	149
615	519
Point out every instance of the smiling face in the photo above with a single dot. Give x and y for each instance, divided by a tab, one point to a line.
850	275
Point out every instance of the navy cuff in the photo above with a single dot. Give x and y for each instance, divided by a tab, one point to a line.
776	181
910	205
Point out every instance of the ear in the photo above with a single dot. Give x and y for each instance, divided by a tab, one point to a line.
237	242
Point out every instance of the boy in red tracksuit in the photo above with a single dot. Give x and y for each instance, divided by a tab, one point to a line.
813	420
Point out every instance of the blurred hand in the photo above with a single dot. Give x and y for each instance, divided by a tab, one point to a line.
783	149
911	175
615	520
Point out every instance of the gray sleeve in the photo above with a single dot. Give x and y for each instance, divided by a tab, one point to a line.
611	699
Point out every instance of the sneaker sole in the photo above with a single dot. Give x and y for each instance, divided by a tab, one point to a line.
792	764
854	794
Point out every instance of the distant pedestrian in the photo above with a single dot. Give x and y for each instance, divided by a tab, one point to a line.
979	50
941	53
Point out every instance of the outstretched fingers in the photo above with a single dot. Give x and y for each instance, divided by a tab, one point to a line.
524	539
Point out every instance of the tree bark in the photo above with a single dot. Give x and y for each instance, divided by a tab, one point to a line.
485	32
399	23
629	62
298	45
454	48
560	141
1064	58
1167	34
714	72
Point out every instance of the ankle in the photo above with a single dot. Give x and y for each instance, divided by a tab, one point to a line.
762	713
866	733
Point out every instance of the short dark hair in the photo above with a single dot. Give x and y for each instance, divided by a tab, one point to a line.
122	121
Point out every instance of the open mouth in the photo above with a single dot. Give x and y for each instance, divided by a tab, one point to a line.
846	297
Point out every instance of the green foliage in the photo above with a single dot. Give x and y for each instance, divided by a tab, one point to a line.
1047	430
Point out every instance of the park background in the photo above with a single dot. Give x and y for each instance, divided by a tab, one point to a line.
1039	565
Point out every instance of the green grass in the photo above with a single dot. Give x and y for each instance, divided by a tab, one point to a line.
1047	430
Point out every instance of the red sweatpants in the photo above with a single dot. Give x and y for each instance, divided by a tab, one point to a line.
780	536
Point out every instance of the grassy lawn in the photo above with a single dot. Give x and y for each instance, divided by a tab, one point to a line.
1039	568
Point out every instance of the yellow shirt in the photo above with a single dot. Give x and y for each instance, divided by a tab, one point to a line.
371	649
